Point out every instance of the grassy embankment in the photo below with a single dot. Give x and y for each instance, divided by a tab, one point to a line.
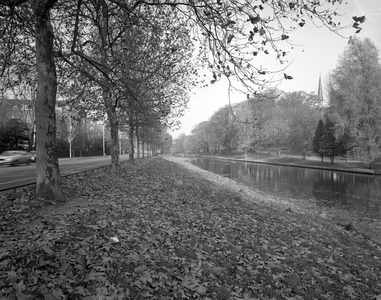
177	233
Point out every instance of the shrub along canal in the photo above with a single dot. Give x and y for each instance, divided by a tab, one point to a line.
357	195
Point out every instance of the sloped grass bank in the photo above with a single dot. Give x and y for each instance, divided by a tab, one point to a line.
157	230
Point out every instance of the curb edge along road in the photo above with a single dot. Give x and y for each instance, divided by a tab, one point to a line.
8	186
21	183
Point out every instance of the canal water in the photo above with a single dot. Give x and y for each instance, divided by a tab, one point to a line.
359	195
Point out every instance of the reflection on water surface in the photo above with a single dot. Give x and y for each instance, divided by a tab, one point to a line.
356	193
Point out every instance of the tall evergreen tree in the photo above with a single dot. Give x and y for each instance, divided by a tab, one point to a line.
334	145
329	140
346	143
318	140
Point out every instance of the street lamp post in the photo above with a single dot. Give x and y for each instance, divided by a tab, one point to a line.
120	144
103	140
70	137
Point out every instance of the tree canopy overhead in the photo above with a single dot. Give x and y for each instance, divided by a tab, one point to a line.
239	36
234	37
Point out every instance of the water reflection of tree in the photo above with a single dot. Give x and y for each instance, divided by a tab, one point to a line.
327	192
246	173
227	170
335	190
209	164
278	180
354	193
367	189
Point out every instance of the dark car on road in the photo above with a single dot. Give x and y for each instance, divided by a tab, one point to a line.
15	157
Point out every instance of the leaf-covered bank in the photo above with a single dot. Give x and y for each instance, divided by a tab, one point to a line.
159	230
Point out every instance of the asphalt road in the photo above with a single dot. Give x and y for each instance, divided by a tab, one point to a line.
24	174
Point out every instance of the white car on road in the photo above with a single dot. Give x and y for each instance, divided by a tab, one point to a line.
15	157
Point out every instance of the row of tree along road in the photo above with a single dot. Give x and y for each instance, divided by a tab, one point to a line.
133	63
348	124
75	136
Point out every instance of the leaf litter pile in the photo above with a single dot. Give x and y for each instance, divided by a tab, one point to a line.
162	229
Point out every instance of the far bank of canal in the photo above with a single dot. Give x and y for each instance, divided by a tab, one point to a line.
353	195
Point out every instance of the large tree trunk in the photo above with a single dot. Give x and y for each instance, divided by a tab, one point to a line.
48	182
114	126
110	105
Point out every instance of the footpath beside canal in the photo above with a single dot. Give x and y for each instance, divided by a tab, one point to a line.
165	229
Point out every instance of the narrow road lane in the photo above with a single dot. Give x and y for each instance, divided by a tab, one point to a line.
24	174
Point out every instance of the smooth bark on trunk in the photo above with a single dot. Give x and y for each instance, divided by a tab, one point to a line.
114	126
48	181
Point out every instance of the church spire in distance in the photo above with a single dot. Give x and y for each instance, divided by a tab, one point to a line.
320	93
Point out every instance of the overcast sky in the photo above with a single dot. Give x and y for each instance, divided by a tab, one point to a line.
318	52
